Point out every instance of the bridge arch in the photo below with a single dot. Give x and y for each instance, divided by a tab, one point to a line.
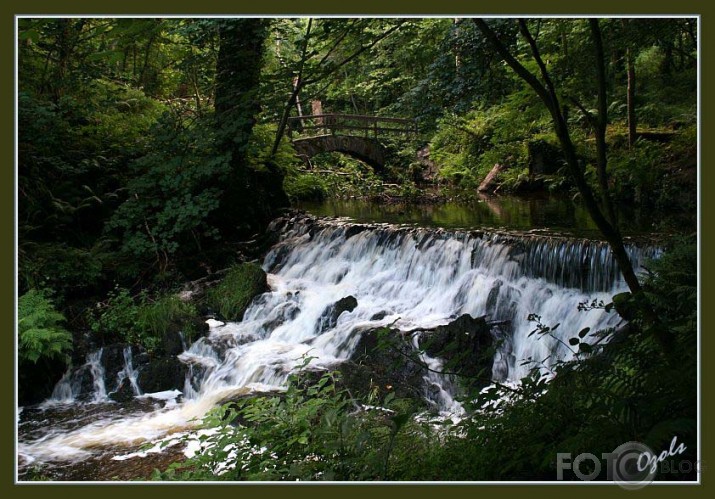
367	150
351	134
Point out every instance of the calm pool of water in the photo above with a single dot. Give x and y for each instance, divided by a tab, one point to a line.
556	214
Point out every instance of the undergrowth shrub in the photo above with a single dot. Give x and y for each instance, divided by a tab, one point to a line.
41	334
141	320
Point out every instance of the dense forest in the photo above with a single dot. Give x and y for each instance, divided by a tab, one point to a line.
154	154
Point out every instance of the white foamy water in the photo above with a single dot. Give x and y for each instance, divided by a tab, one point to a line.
414	278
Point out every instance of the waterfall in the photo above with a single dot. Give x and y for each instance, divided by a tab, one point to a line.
94	360
438	386
69	388
128	372
407	277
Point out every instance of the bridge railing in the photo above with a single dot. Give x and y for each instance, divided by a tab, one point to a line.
352	124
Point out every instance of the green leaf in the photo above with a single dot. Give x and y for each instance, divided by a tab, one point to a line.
388	398
583	332
574	341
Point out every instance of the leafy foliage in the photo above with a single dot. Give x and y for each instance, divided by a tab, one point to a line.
40	333
142	320
176	188
309	432
305	187
468	146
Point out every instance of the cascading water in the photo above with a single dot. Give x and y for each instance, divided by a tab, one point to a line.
69	387
409	277
128	372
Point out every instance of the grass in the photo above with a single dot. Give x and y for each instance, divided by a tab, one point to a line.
233	295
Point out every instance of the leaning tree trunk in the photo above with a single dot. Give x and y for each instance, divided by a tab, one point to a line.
547	93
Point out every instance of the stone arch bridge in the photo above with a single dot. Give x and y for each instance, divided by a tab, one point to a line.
355	135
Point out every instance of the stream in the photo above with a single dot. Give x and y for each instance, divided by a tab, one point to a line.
410	268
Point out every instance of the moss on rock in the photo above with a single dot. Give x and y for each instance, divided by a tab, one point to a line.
232	296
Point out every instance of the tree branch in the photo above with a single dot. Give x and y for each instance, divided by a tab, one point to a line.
294	93
355	54
518	68
588	114
303	82
537	55
339	39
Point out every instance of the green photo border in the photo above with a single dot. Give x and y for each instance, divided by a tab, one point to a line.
10	8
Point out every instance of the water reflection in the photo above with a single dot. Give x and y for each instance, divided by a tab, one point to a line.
494	212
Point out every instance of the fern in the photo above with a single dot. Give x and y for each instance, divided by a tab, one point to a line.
39	328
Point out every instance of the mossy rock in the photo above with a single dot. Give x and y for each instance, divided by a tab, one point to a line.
232	296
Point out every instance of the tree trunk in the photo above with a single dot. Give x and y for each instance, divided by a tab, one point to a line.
631	104
601	122
251	197
298	83
67	36
550	98
144	80
631	90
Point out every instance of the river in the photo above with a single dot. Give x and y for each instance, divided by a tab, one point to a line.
410	267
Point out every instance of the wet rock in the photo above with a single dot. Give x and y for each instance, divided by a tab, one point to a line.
141	359
172	343
283	313
385	360
83	383
466	346
124	393
162	373
329	317
112	361
354	230
382	363
379	316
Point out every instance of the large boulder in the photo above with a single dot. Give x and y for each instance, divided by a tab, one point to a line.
385	360
382	363
180	333
124	393
161	374
83	383
466	347
329	318
113	362
232	296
